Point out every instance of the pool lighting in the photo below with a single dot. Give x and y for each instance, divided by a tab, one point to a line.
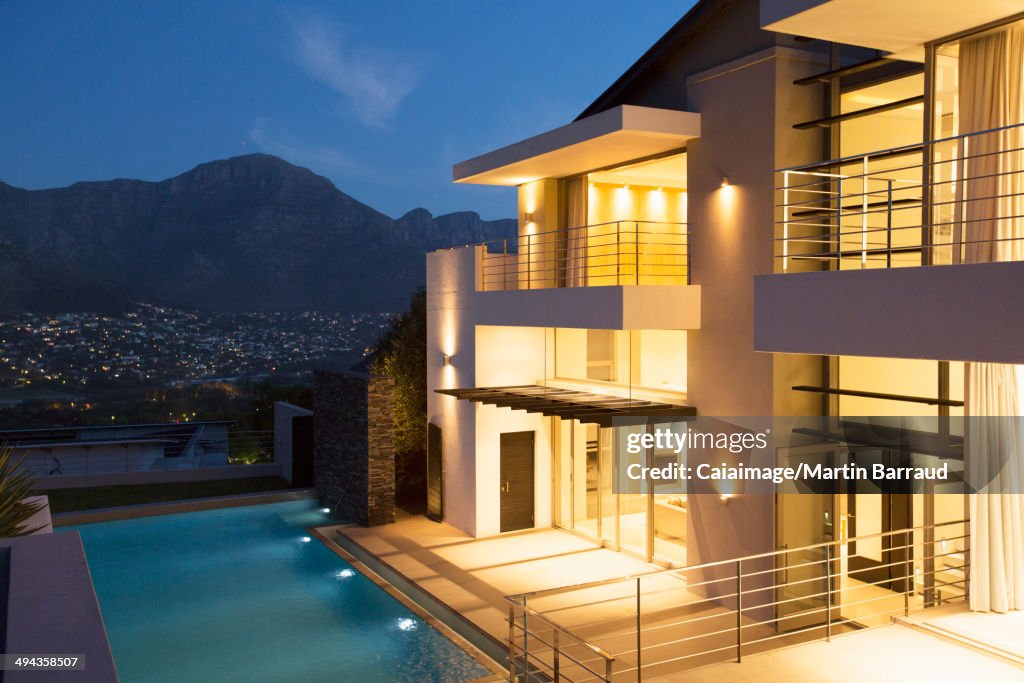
326	511
346	574
406	624
305	539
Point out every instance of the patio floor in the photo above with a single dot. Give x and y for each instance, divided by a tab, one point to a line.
472	576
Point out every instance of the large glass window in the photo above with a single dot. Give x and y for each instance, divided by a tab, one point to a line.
642	360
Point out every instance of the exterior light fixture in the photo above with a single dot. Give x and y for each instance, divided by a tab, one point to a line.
659	189
724	498
326	511
625	187
725	181
527	217
446	359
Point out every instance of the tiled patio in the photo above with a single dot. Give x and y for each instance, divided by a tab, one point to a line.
472	576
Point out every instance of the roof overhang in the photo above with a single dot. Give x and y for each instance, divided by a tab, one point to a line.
900	27
570	404
616	136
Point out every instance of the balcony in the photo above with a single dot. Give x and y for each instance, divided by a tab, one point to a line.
624	275
854	233
609	254
950	201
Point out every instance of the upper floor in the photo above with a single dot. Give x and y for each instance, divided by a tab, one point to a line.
806	147
922	164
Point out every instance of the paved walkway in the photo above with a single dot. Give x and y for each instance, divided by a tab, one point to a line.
887	653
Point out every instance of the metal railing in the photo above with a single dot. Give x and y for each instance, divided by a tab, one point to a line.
615	253
657	623
955	200
144	453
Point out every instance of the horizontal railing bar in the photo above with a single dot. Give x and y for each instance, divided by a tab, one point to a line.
718	563
909	148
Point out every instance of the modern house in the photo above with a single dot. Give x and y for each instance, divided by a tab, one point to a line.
783	208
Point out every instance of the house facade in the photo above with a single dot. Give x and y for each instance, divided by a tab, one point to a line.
784	208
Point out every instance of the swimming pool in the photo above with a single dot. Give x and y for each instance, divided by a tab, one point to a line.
243	594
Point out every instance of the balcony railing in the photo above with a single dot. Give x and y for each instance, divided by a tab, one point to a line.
955	200
616	253
653	625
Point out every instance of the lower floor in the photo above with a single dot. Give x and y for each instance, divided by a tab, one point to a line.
472	576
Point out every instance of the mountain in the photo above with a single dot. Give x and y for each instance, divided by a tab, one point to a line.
248	233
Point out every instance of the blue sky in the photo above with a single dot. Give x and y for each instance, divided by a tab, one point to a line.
380	96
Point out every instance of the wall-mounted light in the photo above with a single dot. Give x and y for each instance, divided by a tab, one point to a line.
725	181
446	359
527	218
625	187
724	497
659	189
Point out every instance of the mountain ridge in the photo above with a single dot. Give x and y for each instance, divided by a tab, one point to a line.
246	233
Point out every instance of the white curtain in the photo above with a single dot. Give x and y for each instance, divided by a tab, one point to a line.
996	458
990	71
576	232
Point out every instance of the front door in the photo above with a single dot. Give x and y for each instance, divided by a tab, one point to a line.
516	481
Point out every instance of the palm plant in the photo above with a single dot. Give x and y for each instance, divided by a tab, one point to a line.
15	486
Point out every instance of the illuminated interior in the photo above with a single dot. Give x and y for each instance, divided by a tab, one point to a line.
619	226
882	194
642	364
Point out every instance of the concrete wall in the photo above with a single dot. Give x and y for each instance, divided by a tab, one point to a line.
51	606
968	312
452	278
509	356
627	307
41	520
747	110
353	452
284	413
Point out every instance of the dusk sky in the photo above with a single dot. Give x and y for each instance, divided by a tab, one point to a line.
381	97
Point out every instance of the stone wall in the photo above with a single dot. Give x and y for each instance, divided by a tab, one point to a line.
353	451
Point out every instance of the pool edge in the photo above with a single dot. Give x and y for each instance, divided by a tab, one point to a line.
440	616
62	519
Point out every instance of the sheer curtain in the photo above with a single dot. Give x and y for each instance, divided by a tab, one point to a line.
990	72
576	232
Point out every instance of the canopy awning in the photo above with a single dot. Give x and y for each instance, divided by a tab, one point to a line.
616	136
569	404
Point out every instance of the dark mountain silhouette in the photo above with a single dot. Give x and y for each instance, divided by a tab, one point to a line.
247	233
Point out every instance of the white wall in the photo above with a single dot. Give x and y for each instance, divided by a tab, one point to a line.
451	283
965	312
508	356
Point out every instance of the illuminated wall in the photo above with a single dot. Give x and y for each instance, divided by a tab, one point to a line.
510	356
635	228
538	202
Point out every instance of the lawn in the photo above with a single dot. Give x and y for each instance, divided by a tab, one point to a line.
73	500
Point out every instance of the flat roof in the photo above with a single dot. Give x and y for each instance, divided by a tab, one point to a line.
616	136
898	27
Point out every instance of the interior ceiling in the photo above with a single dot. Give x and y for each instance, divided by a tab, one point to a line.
664	172
884	93
897	26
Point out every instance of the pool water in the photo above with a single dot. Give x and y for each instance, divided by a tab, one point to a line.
243	594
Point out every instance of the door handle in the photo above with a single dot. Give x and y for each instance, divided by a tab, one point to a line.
505	488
